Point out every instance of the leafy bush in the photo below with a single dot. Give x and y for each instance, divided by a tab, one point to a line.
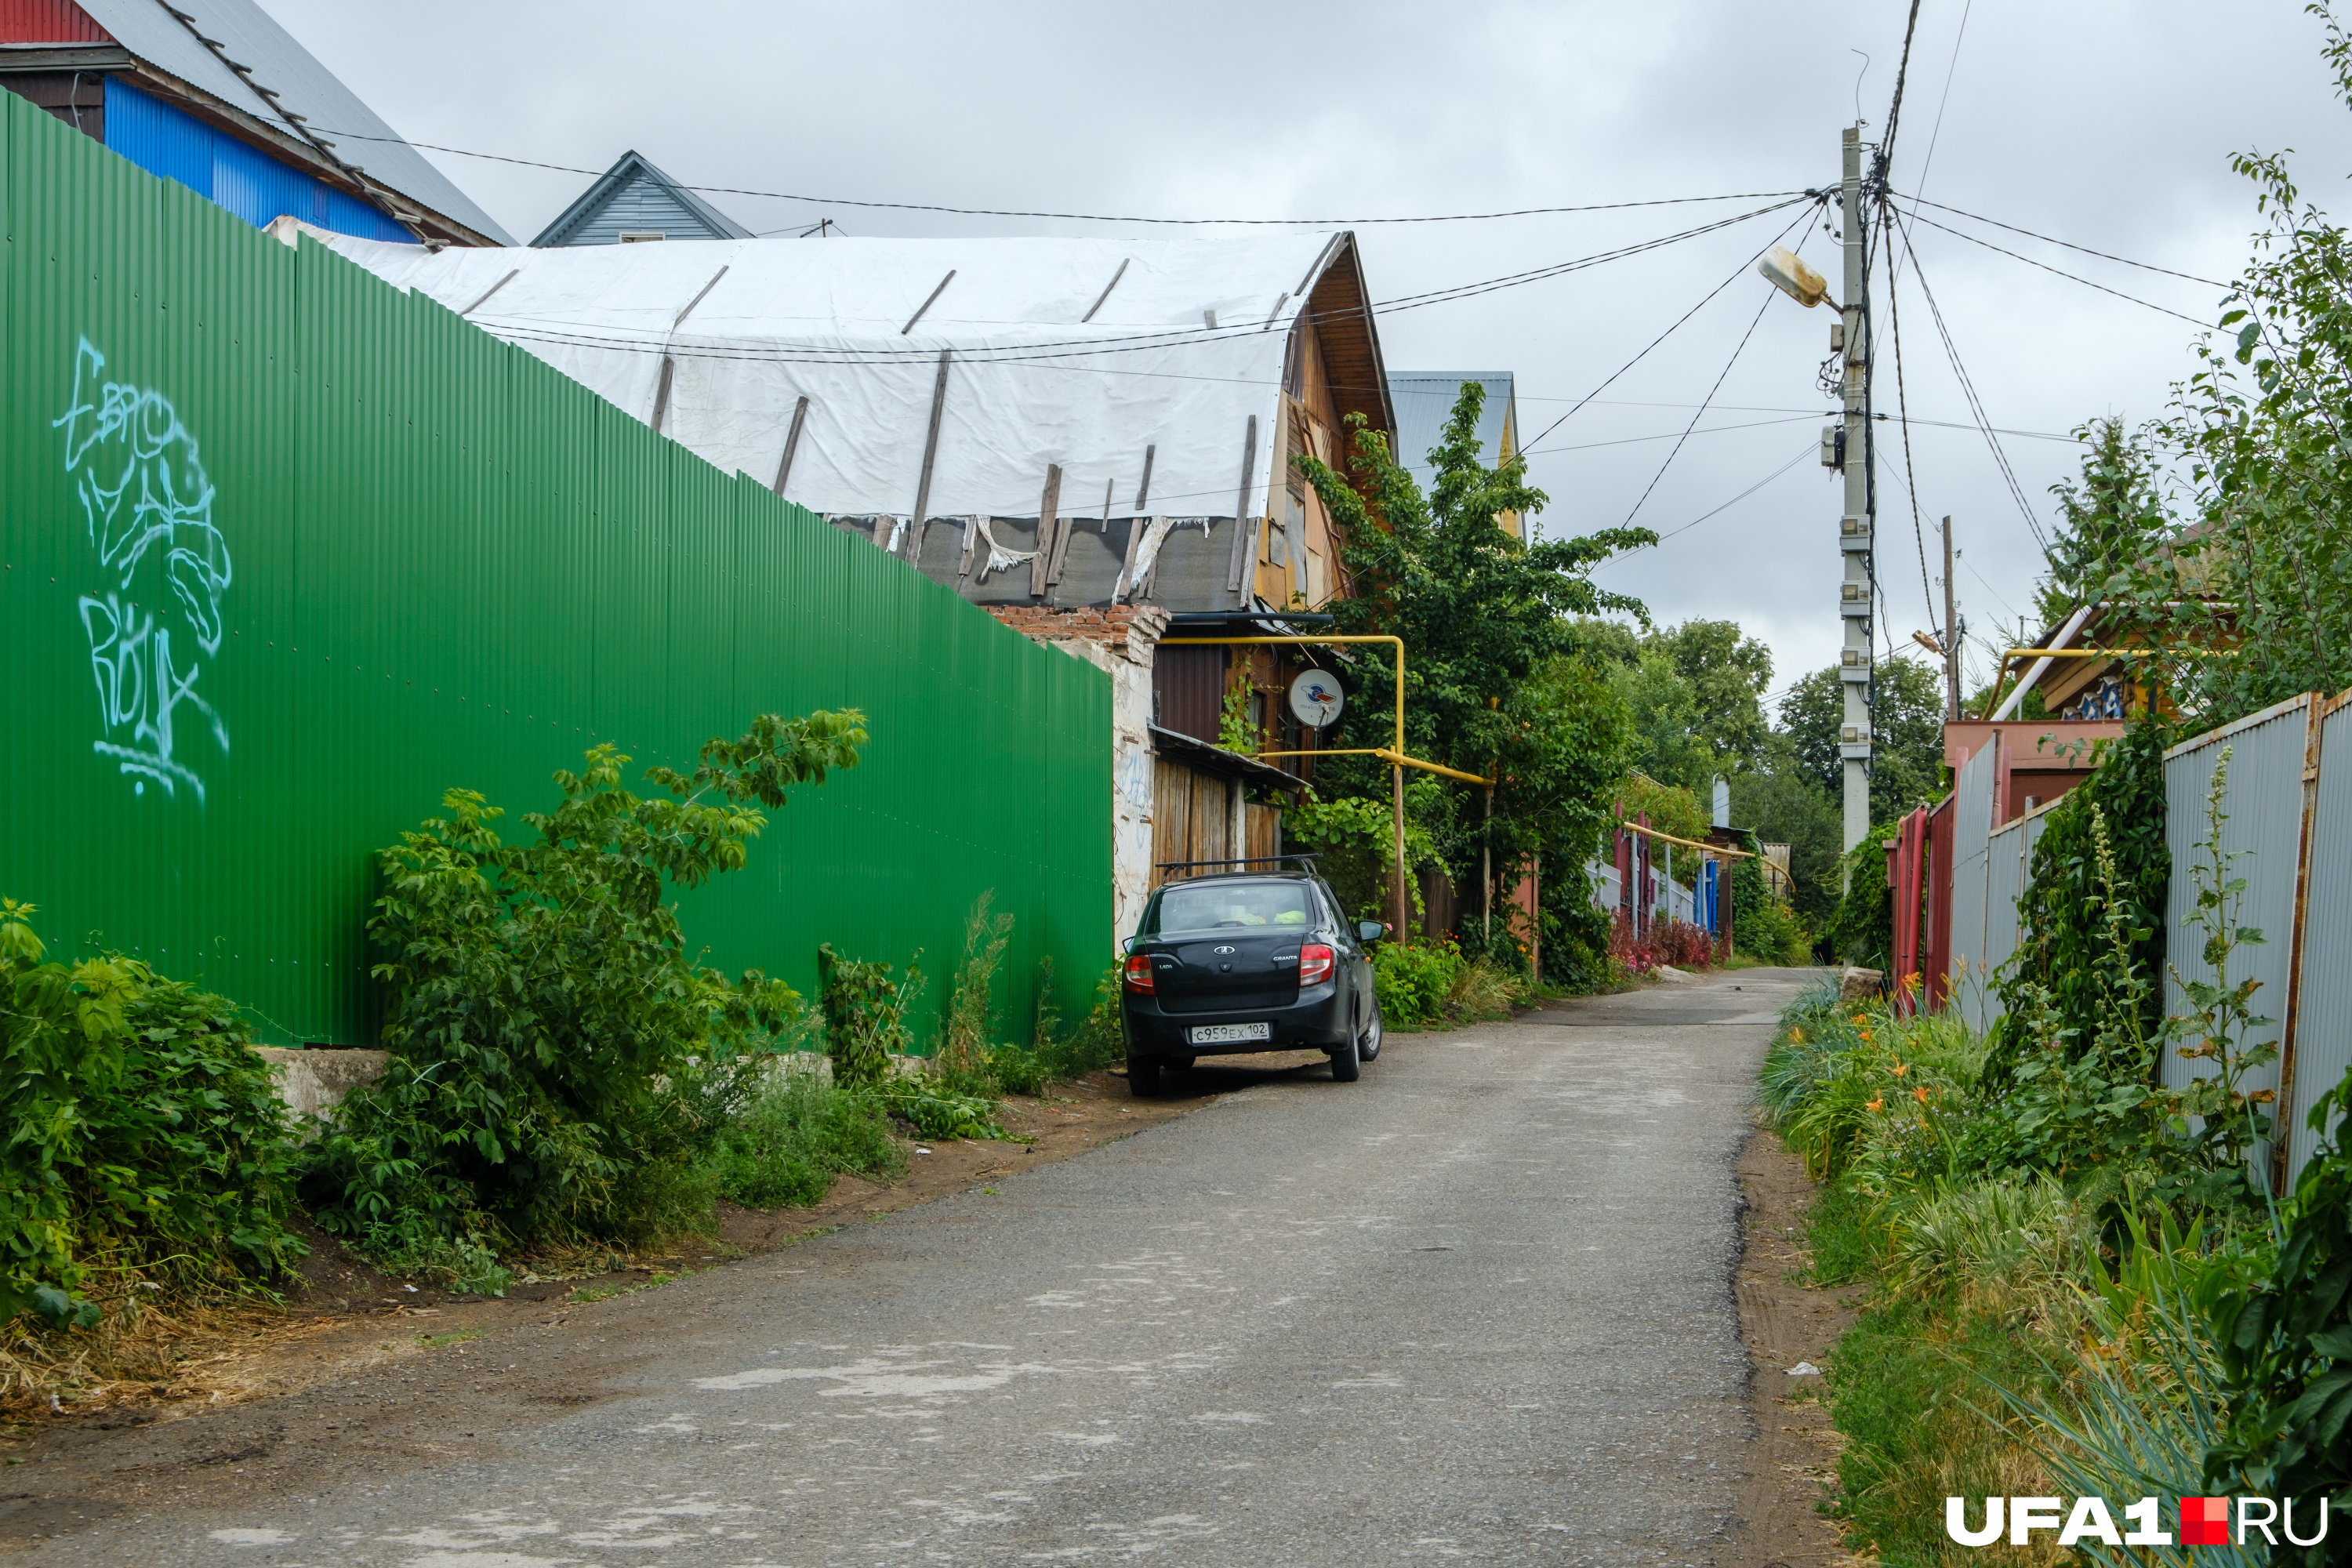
550	1042
1484	989
142	1134
2286	1345
1861	930
1413	979
1767	927
2100	869
1354	840
795	1134
1421	984
1682	944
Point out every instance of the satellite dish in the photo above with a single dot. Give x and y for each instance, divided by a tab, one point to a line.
1315	698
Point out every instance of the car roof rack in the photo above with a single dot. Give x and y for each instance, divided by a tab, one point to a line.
1254	860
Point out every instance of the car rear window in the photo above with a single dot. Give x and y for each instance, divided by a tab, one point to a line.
1228	904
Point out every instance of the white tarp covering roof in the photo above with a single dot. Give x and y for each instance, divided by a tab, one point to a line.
1031	380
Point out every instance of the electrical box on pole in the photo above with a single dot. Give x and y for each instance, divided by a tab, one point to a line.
1857	597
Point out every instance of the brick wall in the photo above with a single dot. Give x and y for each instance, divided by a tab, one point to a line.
1113	625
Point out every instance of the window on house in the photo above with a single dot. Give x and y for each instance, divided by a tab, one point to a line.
641	235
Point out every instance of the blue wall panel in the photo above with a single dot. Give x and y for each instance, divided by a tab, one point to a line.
257	187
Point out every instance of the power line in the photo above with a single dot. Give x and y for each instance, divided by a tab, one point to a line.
1902	407
1072	217
1810	412
1894	110
1943	102
2045	267
1676	449
2046	239
1736	273
1802	452
544	329
1662	436
1968	386
1988	588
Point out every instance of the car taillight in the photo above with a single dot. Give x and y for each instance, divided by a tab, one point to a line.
1315	962
1138	973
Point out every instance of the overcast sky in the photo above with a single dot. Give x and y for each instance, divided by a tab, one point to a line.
2107	125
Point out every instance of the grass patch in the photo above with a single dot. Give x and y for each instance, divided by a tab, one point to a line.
454	1337
796	1134
1905	1386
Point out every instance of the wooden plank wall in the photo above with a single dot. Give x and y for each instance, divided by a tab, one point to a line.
1261	827
1191	817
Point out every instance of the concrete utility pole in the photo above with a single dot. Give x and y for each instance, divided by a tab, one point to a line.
1857	595
1951	633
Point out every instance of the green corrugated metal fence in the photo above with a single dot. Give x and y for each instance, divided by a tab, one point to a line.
287	553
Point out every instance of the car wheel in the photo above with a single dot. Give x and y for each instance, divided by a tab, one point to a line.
1346	1066
1142	1076
1368	1044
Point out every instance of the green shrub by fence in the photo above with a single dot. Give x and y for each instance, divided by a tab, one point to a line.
285	553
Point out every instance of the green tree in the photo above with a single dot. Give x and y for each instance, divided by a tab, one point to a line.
1695	693
1489	623
1728	672
1664	713
1782	806
2109	520
2259	561
1909	725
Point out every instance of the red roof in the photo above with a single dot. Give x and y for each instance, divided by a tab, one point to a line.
49	22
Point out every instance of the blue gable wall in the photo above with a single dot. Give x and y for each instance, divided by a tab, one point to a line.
257	187
640	203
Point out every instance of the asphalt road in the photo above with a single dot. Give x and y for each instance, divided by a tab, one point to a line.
1477	1305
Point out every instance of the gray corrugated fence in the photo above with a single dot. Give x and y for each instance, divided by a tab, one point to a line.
1971	821
2286	832
2009	866
2262	841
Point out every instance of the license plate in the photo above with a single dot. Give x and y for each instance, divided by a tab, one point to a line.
1226	1034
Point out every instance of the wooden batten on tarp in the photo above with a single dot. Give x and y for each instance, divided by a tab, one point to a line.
1049	521
970	543
913	548
791	445
1244	529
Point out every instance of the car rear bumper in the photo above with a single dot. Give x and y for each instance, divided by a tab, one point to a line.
1316	1022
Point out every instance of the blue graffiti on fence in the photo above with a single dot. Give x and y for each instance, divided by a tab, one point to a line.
148	508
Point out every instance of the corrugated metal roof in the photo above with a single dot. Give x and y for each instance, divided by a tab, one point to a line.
635	197
304	87
48	22
1425	400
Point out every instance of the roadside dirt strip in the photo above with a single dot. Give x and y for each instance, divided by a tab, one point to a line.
1480	1304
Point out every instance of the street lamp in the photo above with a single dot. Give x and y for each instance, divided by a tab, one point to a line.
1787	271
